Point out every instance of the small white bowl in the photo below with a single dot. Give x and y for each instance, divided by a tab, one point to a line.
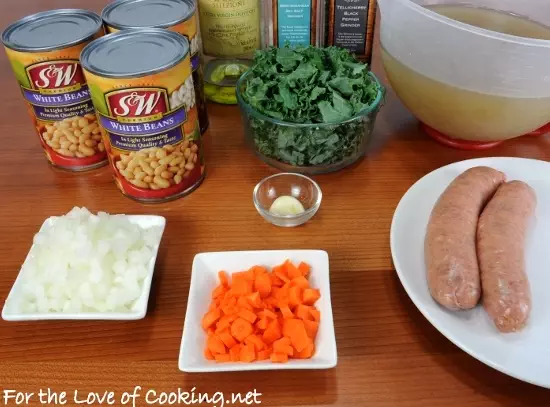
139	309
204	278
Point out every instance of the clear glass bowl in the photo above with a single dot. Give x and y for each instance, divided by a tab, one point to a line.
279	143
299	186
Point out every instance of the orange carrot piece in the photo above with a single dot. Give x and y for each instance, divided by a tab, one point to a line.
254	300
283	345
312	327
271	302
291	270
208	354
224	280
211	318
311	295
296	331
304	268
235	353
241	329
258	270
222	358
268	314
262	324
275	281
272	332
279	357
295	296
243	303
215	345
316	314
262	284
248	315
225	322
287	313
308	351
282	276
264	354
303	312
211	331
227	339
248	353
219	291
256	341
300	282
241	286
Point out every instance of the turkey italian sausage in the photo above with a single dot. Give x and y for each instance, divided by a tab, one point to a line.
450	242
501	236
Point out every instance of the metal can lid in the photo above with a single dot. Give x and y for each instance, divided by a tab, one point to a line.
134	53
122	14
51	30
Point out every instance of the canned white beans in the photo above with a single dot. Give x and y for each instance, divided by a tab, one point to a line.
44	51
151	138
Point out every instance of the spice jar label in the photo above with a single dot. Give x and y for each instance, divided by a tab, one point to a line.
294	22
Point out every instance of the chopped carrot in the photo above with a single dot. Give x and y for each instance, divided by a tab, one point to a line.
248	315
235	353
241	329
300	282
208	354
215	345
287	313
311	328
304	269
261	315
222	358
254	300
279	357
291	270
243	302
211	318
282	276
283	345
308	351
303	312
227	339
316	314
241	286
224	280
262	284
256	341
294	296
311	296
248	353
264	354
262	324
219	291
272	332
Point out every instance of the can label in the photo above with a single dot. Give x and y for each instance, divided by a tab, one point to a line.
60	106
151	131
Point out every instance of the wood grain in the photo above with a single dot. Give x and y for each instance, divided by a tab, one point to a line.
389	355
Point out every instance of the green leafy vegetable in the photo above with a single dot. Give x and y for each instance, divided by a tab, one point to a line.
325	86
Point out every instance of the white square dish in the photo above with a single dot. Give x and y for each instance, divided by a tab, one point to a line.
139	309
204	278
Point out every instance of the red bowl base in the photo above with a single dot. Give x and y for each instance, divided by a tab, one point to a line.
472	145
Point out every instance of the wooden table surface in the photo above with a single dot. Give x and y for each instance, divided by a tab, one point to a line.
389	355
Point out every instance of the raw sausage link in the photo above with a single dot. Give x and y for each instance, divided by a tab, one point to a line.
500	245
450	243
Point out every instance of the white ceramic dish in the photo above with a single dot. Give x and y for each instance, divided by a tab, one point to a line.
139	309
204	278
524	355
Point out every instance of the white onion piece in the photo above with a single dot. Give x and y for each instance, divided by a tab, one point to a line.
82	262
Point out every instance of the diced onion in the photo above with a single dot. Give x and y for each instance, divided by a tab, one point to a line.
82	262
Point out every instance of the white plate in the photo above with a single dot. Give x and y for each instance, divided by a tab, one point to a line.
204	278
139	309
524	355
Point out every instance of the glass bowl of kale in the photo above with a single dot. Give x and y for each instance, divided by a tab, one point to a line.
309	110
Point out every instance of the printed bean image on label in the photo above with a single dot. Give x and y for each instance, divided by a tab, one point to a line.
54	87
149	121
